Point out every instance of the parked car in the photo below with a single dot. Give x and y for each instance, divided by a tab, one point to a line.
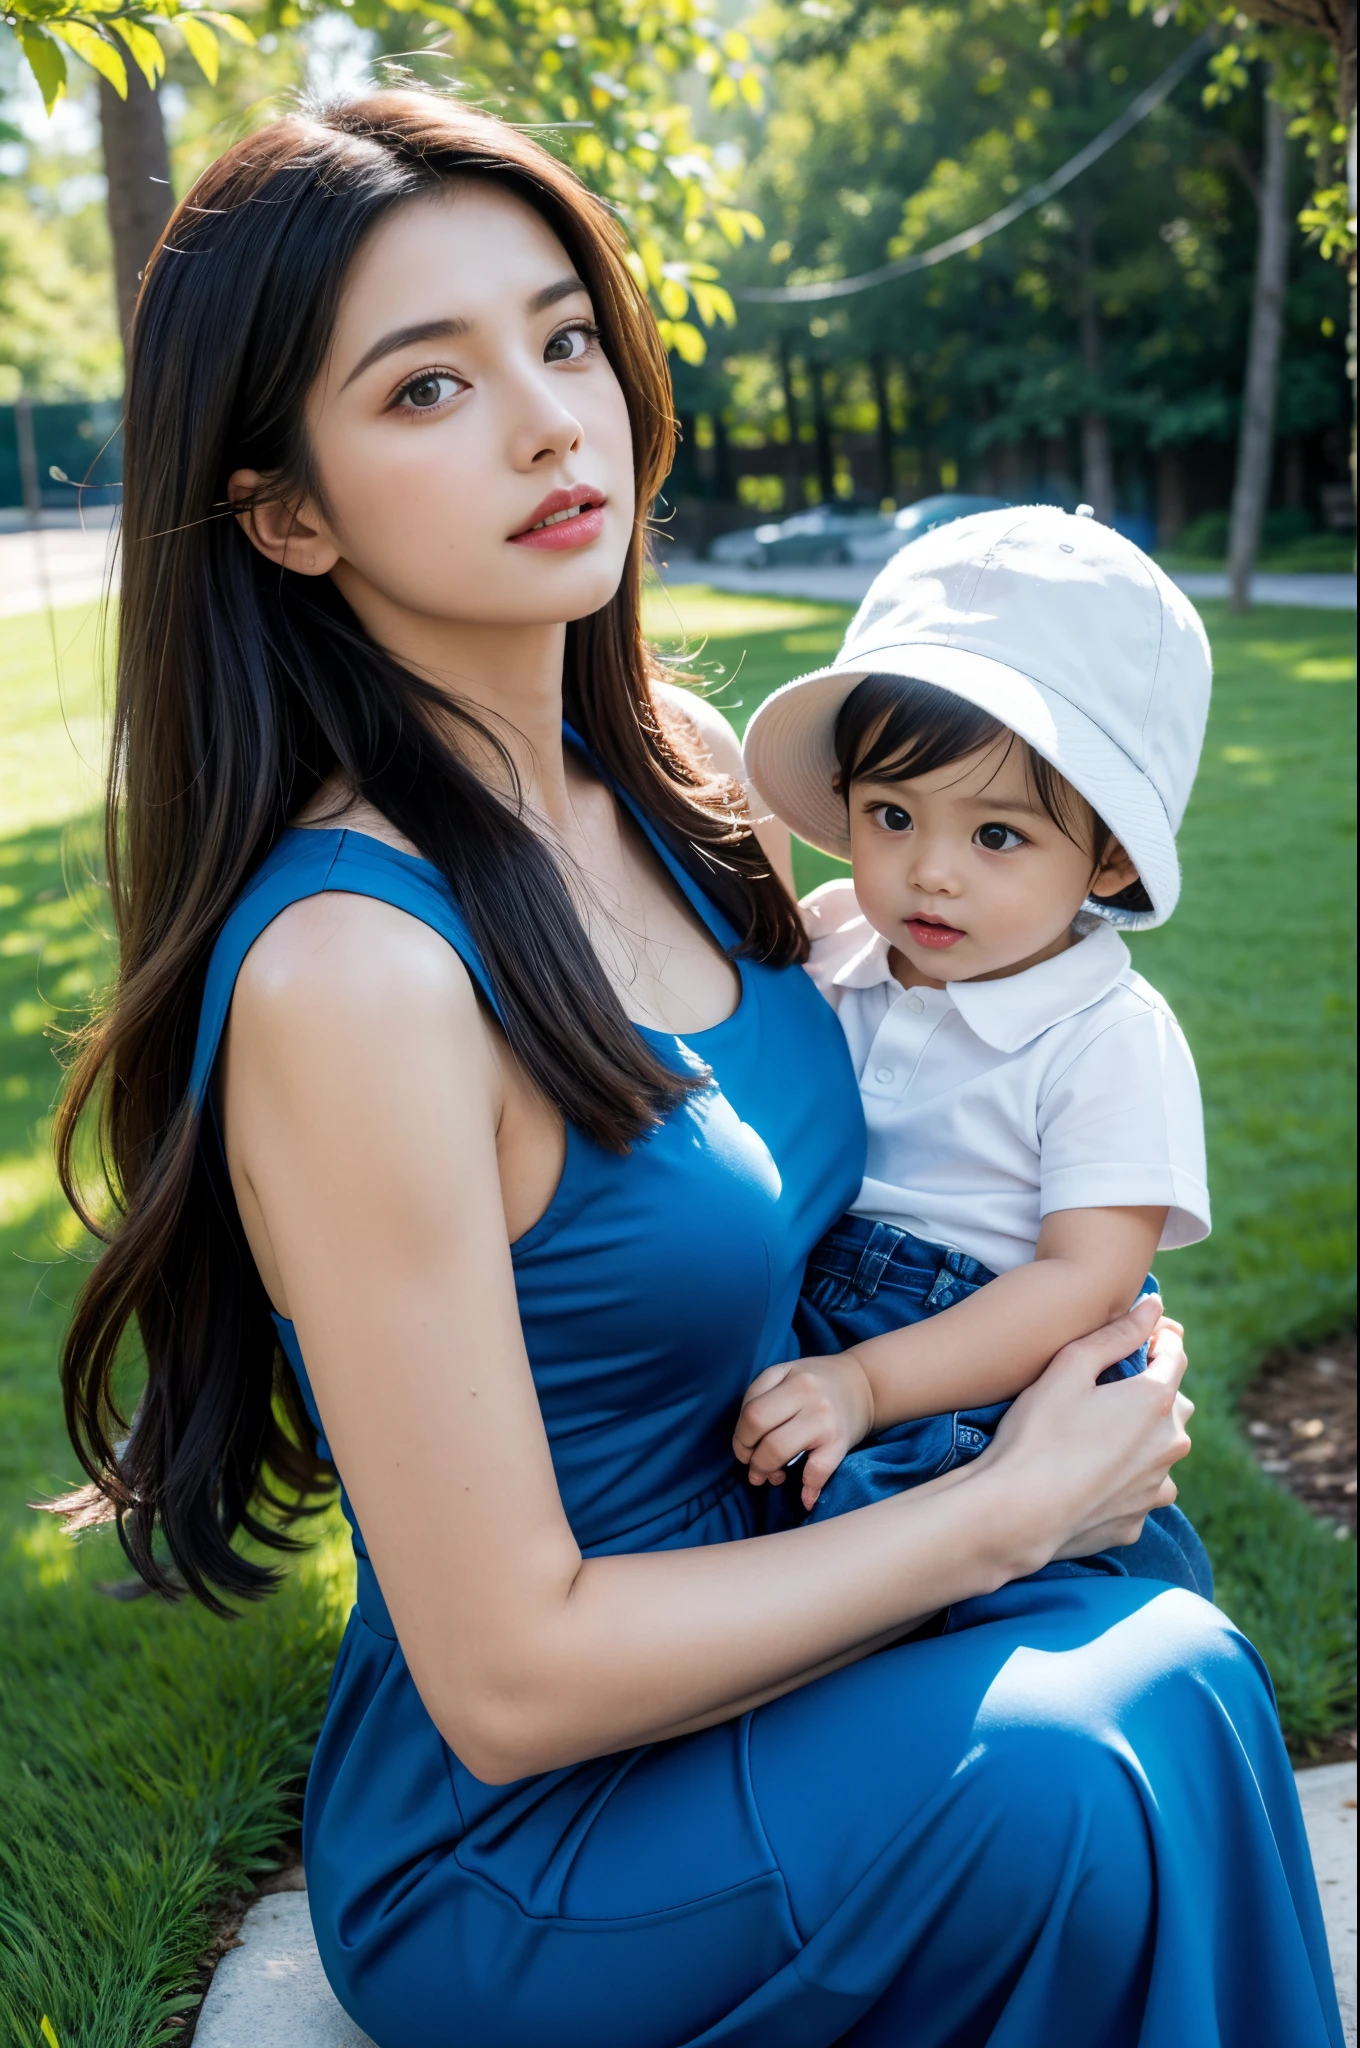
824	534
911	522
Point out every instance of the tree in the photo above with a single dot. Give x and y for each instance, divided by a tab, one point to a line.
602	78
1091	321
1256	439
137	165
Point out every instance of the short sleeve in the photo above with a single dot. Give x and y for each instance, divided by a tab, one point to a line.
1122	1126
837	930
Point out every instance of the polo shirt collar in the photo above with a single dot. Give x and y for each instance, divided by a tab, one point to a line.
1010	1013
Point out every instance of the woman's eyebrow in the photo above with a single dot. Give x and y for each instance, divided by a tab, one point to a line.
401	337
452	330
565	288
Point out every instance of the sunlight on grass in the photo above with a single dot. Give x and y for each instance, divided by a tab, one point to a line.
1339	668
25	1184
51	725
691	611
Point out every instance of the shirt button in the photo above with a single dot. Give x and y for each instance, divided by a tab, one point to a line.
915	1003
884	1074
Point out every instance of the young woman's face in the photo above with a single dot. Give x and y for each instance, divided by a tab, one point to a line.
467	400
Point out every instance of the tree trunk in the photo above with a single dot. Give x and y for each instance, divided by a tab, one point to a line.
1256	439
794	499
137	163
722	461
1346	97
1170	495
821	427
1097	464
887	481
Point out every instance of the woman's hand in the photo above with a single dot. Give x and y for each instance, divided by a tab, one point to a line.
1094	1460
823	1406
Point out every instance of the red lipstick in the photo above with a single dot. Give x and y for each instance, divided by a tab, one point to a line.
567	518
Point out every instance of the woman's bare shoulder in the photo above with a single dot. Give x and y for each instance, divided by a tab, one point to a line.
333	963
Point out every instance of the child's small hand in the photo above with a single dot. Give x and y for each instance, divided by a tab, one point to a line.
822	1406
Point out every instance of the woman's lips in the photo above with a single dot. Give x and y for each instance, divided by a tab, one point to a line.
936	936
564	520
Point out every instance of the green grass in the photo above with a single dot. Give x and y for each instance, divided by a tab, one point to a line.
1312	554
150	1758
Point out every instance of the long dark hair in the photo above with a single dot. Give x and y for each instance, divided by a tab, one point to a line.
240	690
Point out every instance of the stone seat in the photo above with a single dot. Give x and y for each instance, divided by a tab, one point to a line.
270	1992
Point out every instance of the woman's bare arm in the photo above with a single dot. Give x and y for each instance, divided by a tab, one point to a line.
362	1098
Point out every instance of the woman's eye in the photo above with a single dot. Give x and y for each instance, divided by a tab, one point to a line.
893	818
998	838
570	344
430	389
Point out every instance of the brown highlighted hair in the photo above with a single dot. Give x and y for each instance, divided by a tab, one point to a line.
240	690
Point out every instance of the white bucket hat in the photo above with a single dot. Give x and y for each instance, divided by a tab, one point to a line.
1055	625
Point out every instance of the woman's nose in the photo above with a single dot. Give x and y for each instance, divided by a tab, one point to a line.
543	430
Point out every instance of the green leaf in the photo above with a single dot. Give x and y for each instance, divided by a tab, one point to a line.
684	338
231	25
202	44
46	61
147	53
712	304
97	52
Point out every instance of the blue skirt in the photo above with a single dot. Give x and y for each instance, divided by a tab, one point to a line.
1069	1823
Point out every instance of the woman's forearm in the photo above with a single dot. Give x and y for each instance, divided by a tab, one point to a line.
644	1647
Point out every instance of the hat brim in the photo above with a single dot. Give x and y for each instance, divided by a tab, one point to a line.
791	761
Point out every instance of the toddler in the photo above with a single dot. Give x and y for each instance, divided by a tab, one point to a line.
1003	750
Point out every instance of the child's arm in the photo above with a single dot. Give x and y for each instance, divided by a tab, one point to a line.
1088	1266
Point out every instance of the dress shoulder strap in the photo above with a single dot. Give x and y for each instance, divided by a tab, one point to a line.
308	862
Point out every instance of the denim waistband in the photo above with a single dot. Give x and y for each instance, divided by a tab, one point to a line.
863	1251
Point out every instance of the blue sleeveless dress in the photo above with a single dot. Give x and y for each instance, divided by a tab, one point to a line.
1069	1824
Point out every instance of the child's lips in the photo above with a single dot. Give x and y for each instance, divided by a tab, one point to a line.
937	936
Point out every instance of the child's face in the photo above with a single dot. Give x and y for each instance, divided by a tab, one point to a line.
965	874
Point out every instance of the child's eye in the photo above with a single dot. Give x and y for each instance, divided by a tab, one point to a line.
998	838
428	391
893	818
571	344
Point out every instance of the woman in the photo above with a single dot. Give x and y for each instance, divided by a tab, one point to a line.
463	1052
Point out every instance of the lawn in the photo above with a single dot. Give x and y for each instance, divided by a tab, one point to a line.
150	1758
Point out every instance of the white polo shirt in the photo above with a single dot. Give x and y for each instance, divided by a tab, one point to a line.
990	1104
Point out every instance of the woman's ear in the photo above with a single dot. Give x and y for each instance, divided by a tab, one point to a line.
1115	873
293	536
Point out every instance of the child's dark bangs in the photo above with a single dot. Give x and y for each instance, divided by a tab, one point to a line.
891	728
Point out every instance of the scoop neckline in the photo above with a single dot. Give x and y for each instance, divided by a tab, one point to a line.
653	1031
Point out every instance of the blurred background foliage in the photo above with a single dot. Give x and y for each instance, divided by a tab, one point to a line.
1096	349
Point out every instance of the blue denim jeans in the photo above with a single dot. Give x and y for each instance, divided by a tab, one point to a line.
865	1278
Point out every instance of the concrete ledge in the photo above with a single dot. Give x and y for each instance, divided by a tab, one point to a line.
1328	1800
270	1992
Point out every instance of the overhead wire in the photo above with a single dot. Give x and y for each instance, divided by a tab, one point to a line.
1137	110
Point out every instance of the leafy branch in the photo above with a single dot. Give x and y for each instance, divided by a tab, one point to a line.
106	37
